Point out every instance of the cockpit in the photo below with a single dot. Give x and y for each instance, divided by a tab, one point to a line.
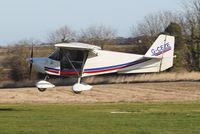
69	59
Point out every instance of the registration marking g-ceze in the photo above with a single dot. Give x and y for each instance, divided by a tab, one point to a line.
160	49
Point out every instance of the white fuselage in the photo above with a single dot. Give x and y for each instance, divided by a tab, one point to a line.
101	63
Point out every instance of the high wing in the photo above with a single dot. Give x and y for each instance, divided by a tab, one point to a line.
78	46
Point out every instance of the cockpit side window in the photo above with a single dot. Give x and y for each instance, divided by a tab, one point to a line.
71	59
55	55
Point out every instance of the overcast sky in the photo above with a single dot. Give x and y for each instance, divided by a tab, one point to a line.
24	19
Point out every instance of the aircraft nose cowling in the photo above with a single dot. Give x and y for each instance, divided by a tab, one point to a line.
37	63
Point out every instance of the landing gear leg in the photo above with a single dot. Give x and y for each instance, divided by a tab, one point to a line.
74	88
46	77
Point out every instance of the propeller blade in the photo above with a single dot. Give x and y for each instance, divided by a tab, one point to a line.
32	51
30	70
31	62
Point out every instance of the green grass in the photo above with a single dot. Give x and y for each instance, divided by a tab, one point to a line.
148	118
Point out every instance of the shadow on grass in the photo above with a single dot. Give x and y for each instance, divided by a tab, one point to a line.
11	110
7	109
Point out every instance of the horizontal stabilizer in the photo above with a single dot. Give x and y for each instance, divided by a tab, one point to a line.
153	57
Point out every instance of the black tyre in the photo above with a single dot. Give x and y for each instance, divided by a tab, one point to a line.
42	89
77	92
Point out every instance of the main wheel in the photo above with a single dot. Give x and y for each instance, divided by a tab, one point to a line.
77	92
42	89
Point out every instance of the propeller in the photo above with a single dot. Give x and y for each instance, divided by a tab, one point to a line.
31	62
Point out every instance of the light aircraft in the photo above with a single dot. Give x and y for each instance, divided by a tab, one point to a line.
85	60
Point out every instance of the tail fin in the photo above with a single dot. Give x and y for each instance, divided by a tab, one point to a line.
163	48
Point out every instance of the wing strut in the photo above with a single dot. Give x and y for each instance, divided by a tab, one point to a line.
73	66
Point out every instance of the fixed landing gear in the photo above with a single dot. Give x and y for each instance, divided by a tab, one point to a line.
76	88
79	87
43	84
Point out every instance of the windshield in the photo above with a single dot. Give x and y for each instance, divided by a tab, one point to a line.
55	55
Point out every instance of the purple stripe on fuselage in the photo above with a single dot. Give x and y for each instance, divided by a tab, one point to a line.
120	66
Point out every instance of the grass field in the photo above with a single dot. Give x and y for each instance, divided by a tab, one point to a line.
140	118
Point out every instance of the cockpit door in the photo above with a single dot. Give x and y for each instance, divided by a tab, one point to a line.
72	61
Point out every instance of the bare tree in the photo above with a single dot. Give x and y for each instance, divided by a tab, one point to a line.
192	31
192	16
98	35
153	24
63	34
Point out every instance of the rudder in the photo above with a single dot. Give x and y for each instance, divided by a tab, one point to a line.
163	48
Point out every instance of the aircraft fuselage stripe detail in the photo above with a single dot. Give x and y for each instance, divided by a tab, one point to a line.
116	67
96	70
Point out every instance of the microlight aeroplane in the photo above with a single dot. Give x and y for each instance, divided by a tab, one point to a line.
85	60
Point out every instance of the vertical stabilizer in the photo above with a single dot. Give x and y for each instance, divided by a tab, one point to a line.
163	48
